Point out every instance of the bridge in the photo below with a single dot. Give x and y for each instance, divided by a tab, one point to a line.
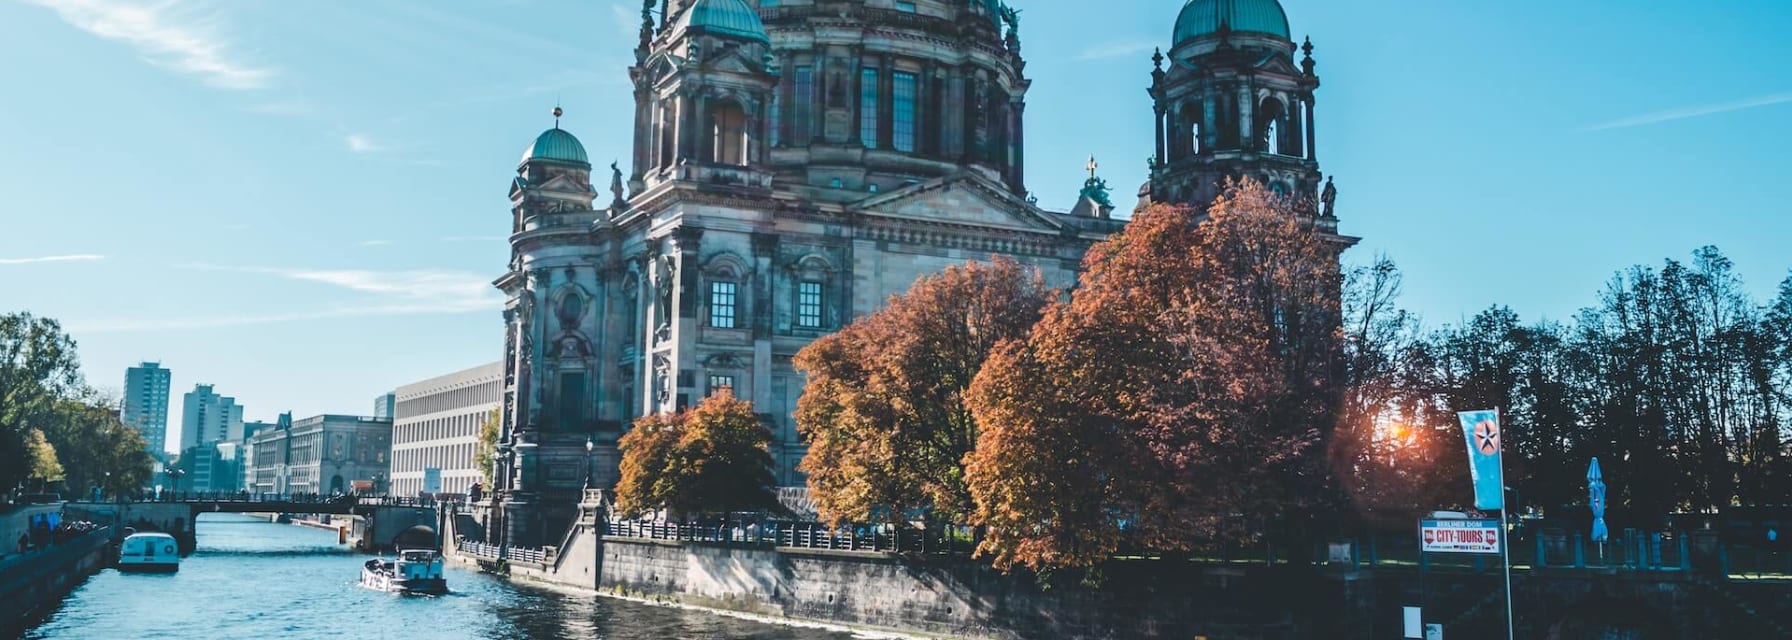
177	512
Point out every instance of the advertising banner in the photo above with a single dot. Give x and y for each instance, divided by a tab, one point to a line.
1459	536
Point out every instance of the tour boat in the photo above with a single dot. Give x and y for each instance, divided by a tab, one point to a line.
149	553
413	571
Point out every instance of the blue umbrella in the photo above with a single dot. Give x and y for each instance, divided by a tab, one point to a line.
1596	499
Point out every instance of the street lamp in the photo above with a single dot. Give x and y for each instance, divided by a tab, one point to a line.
590	466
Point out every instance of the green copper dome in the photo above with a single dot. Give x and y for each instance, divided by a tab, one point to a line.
724	17
556	144
1201	18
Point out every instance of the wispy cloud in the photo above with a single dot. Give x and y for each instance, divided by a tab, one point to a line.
386	293
1116	50
376	243
166	35
360	143
442	290
475	238
1693	112
79	257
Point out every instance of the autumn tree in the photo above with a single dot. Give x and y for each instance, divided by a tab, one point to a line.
883	407
1193	376
713	458
45	468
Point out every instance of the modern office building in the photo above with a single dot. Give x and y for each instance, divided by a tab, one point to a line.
436	426
146	393
323	454
384	405
207	417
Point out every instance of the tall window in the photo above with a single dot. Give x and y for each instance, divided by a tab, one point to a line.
572	400
728	125
903	132
803	99
868	107
718	383
665	133
722	304
808	305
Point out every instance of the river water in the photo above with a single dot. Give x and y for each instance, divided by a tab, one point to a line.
251	578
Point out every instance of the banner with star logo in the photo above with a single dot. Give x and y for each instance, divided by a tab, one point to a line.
1482	428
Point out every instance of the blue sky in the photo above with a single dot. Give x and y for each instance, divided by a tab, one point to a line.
304	203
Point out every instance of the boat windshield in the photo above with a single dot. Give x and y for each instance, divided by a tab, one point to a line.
418	556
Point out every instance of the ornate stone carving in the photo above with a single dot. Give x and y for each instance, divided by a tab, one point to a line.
662	379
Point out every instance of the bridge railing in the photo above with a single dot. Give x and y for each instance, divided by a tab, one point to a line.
932	538
488	551
246	497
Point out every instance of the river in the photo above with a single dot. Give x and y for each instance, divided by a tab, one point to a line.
251	578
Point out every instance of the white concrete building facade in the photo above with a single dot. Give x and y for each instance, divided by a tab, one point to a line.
436	426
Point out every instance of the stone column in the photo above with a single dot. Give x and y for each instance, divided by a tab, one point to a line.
1247	131
1020	148
1158	109
1210	132
686	242
886	99
1312	138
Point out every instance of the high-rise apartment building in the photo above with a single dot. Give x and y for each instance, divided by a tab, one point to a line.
207	417
146	404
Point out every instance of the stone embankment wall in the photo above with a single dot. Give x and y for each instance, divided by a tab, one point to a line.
33	583
959	598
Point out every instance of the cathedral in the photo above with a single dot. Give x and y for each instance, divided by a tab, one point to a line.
795	164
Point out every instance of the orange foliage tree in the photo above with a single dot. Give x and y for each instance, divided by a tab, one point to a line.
713	458
1191	378
883	407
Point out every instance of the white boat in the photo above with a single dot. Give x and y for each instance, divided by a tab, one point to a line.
149	553
413	571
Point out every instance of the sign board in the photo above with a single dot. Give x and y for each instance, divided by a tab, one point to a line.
1434	632
432	480
1459	536
1413	624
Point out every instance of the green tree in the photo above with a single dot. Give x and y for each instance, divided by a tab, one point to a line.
883	406
96	448
37	366
713	458
486	450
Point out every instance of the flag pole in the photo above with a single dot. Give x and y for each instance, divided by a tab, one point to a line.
1505	535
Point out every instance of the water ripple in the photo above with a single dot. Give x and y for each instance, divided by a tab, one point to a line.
254	579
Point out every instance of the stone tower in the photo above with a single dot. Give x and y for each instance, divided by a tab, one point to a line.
554	331
1230	102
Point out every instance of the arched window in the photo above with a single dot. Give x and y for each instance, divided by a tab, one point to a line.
664	131
728	126
1191	122
1270	116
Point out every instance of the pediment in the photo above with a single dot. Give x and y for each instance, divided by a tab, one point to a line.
1277	63
965	199
731	61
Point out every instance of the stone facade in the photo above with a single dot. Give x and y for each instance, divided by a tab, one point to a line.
793	167
322	454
